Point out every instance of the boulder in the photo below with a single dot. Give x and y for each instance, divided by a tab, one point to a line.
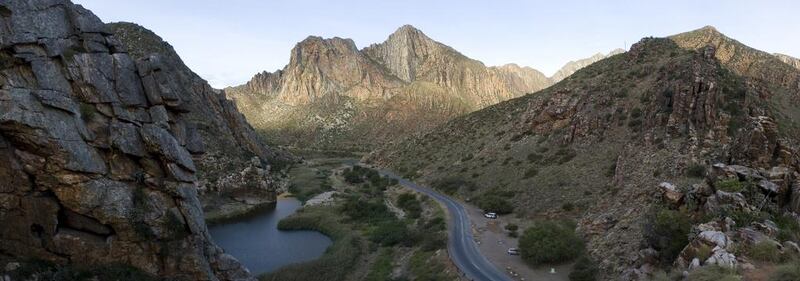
671	193
722	257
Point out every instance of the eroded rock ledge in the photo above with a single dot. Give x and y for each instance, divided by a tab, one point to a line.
96	151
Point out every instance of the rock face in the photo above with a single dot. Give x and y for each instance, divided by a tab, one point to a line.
97	148
332	94
573	66
229	142
606	137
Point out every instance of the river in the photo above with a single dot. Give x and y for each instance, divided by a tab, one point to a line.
256	241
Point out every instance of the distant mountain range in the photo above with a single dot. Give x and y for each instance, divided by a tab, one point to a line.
333	95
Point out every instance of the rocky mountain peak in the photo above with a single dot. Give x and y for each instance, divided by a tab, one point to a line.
406	50
314	47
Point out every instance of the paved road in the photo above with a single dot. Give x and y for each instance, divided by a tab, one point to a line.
463	250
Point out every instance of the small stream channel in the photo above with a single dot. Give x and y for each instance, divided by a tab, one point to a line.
256	241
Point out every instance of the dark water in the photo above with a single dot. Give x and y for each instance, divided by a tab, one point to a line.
256	241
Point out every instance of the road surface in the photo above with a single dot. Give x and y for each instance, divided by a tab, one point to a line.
461	245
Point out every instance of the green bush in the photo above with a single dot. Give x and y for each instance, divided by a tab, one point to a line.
788	228
764	251
786	272
390	233
409	203
494	203
667	231
729	185
696	170
511	227
382	267
714	273
366	211
584	270
550	242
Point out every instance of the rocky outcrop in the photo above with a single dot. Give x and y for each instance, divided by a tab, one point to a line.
332	94
97	148
573	66
230	143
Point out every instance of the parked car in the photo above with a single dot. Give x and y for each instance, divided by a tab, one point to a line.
513	251
490	215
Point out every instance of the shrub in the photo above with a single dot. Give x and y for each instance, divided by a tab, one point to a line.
88	112
765	251
696	170
534	157
714	273
568	206
494	203
550	242
636	112
511	227
390	233
729	185
531	172
788	228
584	270
786	272
370	211
667	231
409	203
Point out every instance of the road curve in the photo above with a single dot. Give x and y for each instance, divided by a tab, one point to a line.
463	250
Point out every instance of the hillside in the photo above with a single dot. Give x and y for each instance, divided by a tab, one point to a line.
596	146
332	95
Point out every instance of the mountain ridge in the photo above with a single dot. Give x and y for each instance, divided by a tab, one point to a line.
596	147
332	94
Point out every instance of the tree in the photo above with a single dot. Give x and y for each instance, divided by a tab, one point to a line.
550	242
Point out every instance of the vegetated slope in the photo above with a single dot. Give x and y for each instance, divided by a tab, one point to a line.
96	152
573	66
333	95
596	145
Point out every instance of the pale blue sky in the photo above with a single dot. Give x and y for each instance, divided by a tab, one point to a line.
226	42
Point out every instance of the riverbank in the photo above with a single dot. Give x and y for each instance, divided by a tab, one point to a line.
370	241
218	209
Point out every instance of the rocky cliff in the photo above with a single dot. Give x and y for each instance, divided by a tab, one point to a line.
595	147
97	148
332	94
235	164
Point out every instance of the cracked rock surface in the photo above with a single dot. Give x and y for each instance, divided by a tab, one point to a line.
98	149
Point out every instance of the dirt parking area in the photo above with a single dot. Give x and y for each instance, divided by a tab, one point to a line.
493	241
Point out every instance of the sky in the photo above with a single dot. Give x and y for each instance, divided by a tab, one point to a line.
227	42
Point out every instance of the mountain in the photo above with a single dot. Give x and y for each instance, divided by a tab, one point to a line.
573	66
333	95
97	148
795	62
234	159
676	117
